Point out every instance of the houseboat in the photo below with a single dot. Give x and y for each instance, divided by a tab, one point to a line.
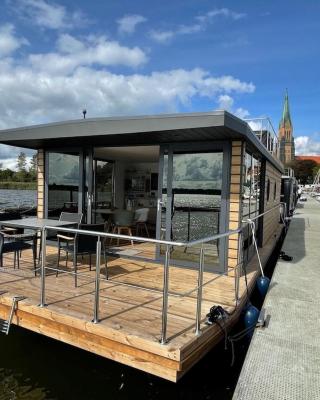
185	201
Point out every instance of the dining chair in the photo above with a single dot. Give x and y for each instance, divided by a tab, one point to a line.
16	243
83	245
140	220
75	218
122	221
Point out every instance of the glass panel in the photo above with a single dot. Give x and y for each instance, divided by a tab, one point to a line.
196	199
103	184
63	183
250	199
164	202
247	184
103	188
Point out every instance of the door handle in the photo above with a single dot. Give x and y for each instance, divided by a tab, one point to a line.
160	204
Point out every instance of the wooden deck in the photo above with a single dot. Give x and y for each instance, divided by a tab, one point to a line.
130	317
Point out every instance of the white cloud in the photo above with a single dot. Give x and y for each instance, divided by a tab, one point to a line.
225	12
305	145
225	102
241	113
33	95
201	24
73	53
161	36
48	14
9	42
128	23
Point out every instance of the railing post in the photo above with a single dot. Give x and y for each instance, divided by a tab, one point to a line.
199	293
237	271
43	267
97	282
163	339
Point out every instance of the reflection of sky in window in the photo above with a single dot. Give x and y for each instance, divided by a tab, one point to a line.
63	169
197	171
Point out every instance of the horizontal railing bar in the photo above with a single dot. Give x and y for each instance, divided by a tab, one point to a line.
143	239
214	237
261	215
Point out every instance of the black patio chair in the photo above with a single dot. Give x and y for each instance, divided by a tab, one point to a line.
16	243
83	245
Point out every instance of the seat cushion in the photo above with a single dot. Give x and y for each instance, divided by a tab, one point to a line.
15	246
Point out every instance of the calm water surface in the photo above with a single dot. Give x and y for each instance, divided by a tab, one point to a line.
17	198
35	367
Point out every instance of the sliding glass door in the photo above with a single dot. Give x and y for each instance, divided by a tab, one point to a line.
63	182
78	182
192	202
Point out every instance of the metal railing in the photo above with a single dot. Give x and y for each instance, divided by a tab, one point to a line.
264	130
169	245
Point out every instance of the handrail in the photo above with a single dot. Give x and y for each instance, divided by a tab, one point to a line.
262	214
165	289
143	239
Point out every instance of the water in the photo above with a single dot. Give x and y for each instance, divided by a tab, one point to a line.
35	367
17	198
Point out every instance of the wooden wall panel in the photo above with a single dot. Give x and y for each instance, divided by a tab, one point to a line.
235	215
40	184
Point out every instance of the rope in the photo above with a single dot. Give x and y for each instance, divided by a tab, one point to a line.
253	227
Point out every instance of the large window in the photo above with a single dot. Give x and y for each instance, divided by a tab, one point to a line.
251	187
63	183
191	198
250	201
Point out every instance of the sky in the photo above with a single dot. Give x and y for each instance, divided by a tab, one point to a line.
124	57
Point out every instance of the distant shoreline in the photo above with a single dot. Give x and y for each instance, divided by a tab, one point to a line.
18	185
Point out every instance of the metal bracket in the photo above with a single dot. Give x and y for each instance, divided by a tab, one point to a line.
261	323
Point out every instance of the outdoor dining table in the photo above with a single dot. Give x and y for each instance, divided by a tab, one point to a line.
36	224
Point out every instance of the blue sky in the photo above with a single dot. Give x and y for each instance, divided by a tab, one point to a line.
141	57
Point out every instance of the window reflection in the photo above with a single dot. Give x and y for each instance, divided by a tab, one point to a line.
63	183
251	187
250	200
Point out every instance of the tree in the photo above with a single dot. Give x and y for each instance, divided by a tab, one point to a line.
22	162
33	166
304	170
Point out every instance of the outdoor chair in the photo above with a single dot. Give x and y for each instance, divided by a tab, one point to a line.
83	245
67	237
16	243
6	216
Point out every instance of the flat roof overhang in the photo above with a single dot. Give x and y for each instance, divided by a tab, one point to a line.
137	130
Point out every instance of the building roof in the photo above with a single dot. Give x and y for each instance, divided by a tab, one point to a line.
137	130
285	121
313	158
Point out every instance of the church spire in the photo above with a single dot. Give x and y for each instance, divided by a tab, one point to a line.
287	148
285	121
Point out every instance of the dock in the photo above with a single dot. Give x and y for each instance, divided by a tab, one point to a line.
283	360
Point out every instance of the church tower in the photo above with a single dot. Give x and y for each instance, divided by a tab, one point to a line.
286	140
